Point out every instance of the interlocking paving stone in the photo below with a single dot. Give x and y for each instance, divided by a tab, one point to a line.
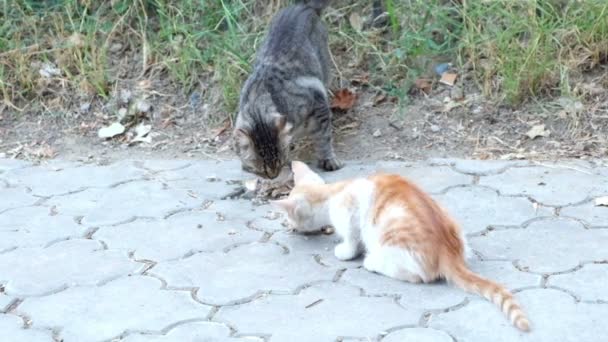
180	234
353	169
550	186
242	272
36	271
431	179
505	273
488	208
115	205
206	179
413	296
11	328
244	211
589	213
195	332
99	313
569	242
5	301
15	198
554	316
11	164
72	177
418	335
322	312
315	245
478	167
205	170
67	270
161	165
437	295
35	226
589	283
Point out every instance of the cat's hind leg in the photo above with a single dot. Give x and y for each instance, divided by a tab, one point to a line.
395	263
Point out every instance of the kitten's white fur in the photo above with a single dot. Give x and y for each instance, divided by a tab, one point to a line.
359	235
353	223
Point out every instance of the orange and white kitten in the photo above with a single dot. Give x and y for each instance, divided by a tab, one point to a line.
402	231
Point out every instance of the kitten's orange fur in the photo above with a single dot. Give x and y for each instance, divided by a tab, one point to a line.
405	234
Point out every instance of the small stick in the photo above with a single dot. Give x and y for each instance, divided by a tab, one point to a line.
313	303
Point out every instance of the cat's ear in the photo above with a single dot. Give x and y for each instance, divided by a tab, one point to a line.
288	205
302	174
241	138
282	125
295	207
300	170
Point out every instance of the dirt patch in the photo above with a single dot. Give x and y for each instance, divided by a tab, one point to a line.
435	120
376	127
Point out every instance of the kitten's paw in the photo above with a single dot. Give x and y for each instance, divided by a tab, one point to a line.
331	164
345	251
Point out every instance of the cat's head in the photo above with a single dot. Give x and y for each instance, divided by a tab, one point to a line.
303	205
263	145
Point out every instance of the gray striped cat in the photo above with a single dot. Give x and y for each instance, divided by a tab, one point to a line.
285	96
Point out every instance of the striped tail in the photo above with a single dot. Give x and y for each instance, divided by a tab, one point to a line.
464	278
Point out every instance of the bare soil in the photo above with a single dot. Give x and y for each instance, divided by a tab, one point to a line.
450	121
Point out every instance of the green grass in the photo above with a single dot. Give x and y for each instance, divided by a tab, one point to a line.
533	47
516	54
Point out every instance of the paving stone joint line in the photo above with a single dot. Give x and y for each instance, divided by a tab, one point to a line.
322	259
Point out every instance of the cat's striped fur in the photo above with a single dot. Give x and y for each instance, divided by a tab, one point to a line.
403	232
286	96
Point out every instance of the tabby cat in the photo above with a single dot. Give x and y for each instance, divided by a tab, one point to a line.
286	94
403	232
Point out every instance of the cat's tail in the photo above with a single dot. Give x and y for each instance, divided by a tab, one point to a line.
464	278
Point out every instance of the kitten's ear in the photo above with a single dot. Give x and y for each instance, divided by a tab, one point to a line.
287	205
299	170
281	123
303	174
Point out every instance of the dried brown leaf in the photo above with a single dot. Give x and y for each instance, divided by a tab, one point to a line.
362	79
537	131
355	21
448	78
43	152
424	85
378	99
220	130
344	99
110	131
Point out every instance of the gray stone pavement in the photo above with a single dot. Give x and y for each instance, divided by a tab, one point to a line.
148	251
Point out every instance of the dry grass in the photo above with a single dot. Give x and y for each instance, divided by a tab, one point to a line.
518	50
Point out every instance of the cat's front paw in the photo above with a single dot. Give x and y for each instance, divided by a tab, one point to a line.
331	164
345	251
